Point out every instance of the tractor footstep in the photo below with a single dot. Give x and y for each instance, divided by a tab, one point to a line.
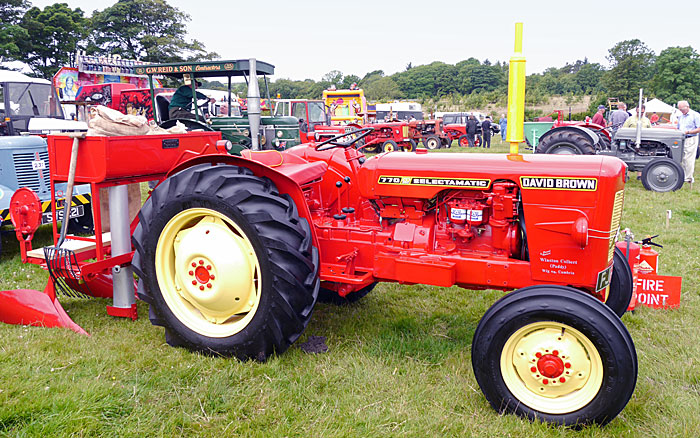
314	345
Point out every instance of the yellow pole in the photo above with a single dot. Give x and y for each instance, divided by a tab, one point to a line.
516	92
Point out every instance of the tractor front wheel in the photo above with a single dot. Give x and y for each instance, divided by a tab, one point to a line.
554	354
432	142
409	146
225	263
565	142
389	146
663	175
463	141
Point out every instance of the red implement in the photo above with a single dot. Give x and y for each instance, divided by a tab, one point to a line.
31	307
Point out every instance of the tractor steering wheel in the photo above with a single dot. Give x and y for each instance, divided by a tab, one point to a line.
332	142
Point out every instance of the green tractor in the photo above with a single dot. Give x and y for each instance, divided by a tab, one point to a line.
271	132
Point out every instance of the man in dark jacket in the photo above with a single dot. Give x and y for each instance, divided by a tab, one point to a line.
472	123
181	103
486	132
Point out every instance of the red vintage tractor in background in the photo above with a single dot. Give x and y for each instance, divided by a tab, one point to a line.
387	137
232	253
431	134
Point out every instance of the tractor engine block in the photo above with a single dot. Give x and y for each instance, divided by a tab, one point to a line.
479	220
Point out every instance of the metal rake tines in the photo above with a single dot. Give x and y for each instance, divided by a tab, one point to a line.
64	271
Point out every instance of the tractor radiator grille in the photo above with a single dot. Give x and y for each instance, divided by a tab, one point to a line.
26	175
615	221
405	131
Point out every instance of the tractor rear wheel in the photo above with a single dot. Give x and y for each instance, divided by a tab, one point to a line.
621	284
432	142
663	175
565	142
332	297
554	354
226	263
389	146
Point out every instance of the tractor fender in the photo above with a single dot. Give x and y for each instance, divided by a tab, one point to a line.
579	129
284	184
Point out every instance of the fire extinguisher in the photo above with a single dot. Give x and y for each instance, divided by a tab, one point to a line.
649	257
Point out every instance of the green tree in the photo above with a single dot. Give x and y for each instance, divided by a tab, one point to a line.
381	88
11	33
632	68
52	37
148	30
677	75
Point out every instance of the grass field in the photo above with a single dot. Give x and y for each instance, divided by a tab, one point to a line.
398	362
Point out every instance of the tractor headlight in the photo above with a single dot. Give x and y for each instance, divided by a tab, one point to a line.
279	134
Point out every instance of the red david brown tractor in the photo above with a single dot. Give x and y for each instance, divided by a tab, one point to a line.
232	253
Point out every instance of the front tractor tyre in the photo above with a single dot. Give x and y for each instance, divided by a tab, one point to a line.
663	175
566	142
432	142
225	263
554	354
389	146
409	146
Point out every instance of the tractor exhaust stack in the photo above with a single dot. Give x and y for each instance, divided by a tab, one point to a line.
253	104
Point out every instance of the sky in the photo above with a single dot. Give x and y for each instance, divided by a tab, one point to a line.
306	39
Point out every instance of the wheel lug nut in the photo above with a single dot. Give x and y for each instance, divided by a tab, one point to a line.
567	365
201	262
555	352
562	380
208	267
545	381
194	265
533	369
201	287
211	276
191	272
194	282
209	285
538	355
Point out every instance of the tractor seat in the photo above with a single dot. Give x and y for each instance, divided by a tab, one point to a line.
293	166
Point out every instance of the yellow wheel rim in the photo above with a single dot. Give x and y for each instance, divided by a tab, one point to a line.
551	367
208	272
389	148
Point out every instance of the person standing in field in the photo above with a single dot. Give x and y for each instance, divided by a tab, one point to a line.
486	132
599	116
471	129
619	116
504	126
688	124
639	118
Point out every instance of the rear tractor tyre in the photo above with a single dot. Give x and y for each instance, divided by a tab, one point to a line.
555	354
663	175
389	146
432	142
331	297
225	263
621	284
566	143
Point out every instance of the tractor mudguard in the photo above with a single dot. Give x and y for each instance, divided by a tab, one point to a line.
589	133
284	183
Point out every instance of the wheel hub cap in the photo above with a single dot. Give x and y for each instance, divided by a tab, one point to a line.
551	367
214	270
